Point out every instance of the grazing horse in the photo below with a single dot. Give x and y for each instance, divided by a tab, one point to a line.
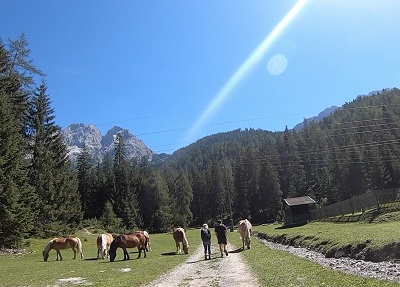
63	243
124	241
245	232
103	244
179	236
145	233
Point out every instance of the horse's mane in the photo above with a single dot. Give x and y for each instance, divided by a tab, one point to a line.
48	246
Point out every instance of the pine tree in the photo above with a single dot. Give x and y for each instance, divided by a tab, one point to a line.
17	200
124	196
50	173
85	184
182	197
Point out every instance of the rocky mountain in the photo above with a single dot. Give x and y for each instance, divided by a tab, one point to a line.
77	136
318	118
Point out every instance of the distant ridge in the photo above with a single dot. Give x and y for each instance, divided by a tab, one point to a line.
317	118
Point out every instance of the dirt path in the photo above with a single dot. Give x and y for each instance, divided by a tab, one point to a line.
218	272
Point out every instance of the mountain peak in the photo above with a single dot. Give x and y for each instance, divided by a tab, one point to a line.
78	135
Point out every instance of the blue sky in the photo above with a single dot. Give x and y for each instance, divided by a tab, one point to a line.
157	68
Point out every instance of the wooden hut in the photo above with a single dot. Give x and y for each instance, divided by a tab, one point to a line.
297	210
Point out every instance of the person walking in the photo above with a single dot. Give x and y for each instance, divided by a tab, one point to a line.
206	238
221	231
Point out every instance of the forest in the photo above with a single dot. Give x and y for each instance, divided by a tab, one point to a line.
231	175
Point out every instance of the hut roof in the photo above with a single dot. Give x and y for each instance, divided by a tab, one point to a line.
299	200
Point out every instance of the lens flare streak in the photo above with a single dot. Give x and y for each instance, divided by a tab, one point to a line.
244	69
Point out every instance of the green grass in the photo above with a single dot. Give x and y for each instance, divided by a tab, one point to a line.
271	267
31	270
280	268
328	235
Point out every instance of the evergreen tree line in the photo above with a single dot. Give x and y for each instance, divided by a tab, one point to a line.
232	175
248	173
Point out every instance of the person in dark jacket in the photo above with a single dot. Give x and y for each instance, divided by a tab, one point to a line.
206	238
221	230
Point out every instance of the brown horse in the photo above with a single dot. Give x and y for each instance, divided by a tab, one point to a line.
145	233
63	243
245	232
103	244
124	241
179	236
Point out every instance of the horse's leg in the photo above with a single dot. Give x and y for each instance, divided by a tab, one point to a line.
140	252
126	254
145	253
74	249
59	254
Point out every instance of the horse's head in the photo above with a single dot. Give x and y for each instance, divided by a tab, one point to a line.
113	249
45	255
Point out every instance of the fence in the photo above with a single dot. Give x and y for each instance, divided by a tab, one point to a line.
375	199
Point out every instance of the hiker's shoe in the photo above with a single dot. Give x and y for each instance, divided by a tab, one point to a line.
222	255
205	257
226	252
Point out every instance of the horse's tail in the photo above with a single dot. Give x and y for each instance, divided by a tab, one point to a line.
80	247
148	244
185	243
146	234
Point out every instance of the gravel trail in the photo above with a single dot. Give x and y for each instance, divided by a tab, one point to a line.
223	272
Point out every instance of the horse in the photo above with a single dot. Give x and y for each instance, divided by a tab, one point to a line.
63	243
103	244
179	236
245	232
145	233
124	241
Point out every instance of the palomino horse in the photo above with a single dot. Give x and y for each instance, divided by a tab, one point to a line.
63	243
245	232
145	233
179	236
103	244
124	241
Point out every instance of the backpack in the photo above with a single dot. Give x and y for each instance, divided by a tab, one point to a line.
205	234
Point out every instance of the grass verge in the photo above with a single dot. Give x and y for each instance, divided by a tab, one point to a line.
275	268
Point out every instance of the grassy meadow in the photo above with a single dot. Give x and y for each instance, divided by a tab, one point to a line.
271	267
31	270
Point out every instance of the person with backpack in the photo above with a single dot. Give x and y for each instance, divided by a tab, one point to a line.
206	238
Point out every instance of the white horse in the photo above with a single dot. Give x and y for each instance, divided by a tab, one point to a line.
63	243
245	232
103	244
180	237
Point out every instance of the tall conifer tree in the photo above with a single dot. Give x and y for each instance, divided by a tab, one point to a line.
50	173
124	195
17	201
